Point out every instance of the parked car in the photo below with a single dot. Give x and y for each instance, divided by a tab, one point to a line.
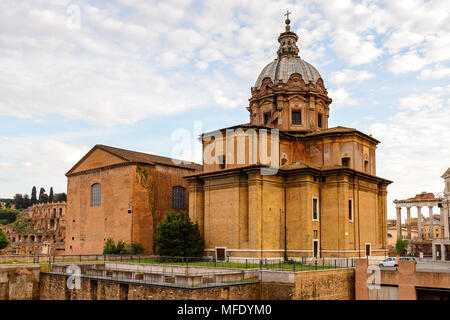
408	259
389	262
392	261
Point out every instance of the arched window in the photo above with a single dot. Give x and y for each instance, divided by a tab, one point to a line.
96	195
178	198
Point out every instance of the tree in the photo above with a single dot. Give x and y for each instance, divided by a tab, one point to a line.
8	215
41	193
4	241
179	236
60	197
400	246
21	201
43	197
33	196
122	247
50	195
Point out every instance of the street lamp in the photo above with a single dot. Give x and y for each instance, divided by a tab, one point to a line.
442	196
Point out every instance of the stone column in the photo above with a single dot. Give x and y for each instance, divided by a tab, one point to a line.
430	209
408	221
419	222
399	223
446	223
441	224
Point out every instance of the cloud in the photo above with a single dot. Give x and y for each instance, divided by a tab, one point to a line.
341	98
409	62
349	75
437	72
33	161
354	49
414	149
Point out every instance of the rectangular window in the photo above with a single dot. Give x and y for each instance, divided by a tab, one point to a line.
319	120
296	117
315	209
316	249
266	118
178	198
350	210
96	195
368	249
222	161
346	162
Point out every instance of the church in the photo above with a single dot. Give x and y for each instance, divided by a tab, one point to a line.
123	195
285	185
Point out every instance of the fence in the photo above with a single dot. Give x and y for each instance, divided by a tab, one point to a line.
303	264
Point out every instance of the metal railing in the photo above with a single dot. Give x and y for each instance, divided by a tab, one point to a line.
299	264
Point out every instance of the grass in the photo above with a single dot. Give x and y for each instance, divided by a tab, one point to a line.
235	265
276	266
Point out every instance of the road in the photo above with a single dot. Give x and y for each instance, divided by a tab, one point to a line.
428	266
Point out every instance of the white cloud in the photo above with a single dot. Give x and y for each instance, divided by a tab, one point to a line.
32	161
437	72
403	39
354	49
409	62
414	149
350	75
341	98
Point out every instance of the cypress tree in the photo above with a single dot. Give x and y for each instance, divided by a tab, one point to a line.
33	196
50	196
41	195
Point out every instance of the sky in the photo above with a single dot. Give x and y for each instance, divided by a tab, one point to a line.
150	75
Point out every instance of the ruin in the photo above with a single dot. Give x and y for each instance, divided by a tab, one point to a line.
39	229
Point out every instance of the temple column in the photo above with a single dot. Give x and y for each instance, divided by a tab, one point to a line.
430	209
446	224
419	222
408	221
399	223
441	222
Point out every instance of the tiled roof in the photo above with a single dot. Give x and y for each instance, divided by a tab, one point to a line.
134	156
139	157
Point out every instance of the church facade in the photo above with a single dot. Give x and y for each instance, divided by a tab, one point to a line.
123	195
285	184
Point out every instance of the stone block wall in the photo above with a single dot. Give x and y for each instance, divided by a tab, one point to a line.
19	282
325	285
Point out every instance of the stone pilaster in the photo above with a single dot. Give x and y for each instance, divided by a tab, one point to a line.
419	222
408	221
430	210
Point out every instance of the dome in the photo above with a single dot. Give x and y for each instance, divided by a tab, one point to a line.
285	66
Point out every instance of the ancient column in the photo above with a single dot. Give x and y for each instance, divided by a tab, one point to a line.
430	209
441	222
419	222
399	223
408	221
446	224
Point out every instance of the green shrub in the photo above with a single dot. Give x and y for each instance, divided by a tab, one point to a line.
122	247
179	236
137	247
8	216
110	247
4	241
400	246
